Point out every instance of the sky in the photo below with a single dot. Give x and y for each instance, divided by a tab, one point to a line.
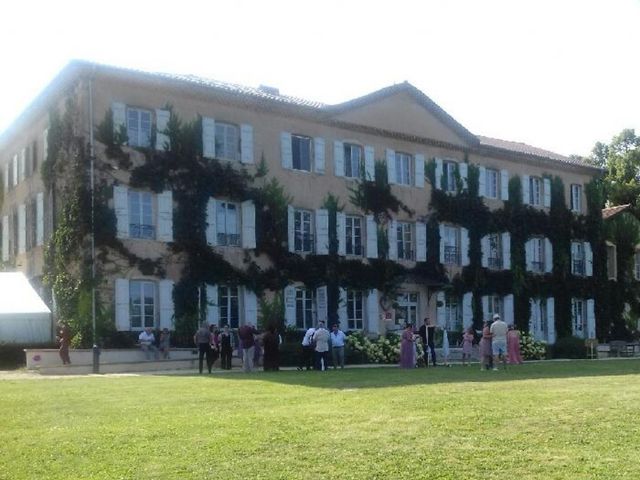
559	75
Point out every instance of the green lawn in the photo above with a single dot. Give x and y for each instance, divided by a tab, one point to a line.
557	420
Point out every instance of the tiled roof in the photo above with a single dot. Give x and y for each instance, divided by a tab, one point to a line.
613	211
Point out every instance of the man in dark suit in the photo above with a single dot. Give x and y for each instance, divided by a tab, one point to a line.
427	333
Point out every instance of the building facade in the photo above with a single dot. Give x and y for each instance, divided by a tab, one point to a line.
212	200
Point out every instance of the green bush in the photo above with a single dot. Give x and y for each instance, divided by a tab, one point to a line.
569	347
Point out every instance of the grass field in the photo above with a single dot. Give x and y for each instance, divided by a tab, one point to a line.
556	420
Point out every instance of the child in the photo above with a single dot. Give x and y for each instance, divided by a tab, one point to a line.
467	344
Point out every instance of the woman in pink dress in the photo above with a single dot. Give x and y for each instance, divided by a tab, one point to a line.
467	345
486	353
407	352
513	346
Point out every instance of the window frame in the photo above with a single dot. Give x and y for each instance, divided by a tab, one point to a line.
142	227
303	239
307	297
578	262
405	240
449	173
348	149
226	296
535	191
355	304
353	241
495	247
223	149
452	313
539	255
452	252
296	153
487	193
576	198
409	303
542	318
227	239
138	140
404	168
578	322
141	283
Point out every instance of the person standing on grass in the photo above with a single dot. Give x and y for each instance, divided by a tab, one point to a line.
246	334
226	347
321	339
407	352
64	339
271	347
337	346
486	353
202	339
467	346
215	345
308	347
513	346
499	331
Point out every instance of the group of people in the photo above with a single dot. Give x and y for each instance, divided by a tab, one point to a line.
147	342
316	344
212	344
499	343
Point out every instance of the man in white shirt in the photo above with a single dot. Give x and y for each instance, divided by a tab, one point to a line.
337	346
306	360
321	339
499	331
147	340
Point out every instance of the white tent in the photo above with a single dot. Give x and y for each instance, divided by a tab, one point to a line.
24	317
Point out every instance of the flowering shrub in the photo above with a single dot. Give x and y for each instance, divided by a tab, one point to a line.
530	348
382	350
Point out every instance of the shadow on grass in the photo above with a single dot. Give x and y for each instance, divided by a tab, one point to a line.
382	377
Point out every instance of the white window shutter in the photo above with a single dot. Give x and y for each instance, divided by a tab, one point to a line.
321	304
373	313
22	165
441	229
211	231
391	166
482	181
341	219
213	308
248	224
165	216
547	192
119	111
338	158
467	310
369	163
591	318
39	218
588	259
15	170
551	320
506	251
438	173
121	208
290	228
548	256
290	306
528	254
6	177
45	144
246	144
122	305
533	318
507	303
22	228
5	238
419	159
440	309
208	137
463	170
318	150
464	246
485	307
166	304
342	310
322	231
421	242
372	237
504	185
286	150
484	249
250	302
525	189
392	238
162	122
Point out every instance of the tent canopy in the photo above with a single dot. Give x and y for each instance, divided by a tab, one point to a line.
24	317
18	296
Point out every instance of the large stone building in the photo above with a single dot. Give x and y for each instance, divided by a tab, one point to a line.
445	224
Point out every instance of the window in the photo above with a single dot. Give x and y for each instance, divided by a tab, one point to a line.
494	260
303	231
449	172
576	198
142	295
403	168
494	307
353	233
492	187
352	160
139	127
452	314
578	318
141	215
538	321
304	308
407	309
229	306
537	259
577	258
227	141
355	302
451	245
301	152
227	224
636	269
404	237
535	189
612	260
